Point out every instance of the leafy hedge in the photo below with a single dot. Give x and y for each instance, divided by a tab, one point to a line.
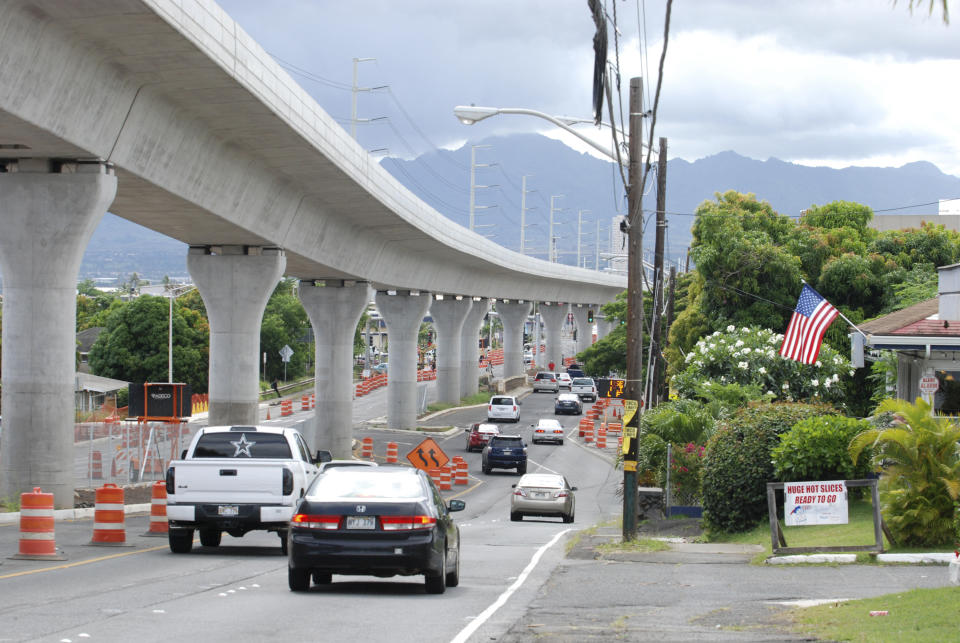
816	449
738	464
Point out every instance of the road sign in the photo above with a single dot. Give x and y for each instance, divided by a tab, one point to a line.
929	384
428	455
629	410
610	388
285	353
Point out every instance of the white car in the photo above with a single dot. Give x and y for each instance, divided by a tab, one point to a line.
585	387
503	407
547	430
564	381
337	464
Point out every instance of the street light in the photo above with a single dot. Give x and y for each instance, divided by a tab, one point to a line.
470	114
172	294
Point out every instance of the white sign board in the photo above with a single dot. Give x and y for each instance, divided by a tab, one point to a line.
285	353
929	384
815	503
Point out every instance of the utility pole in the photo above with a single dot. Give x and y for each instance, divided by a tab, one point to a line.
580	235
596	247
473	186
523	214
669	318
551	240
634	228
655	364
353	105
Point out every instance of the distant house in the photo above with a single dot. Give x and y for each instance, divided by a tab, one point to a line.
91	392
85	341
926	338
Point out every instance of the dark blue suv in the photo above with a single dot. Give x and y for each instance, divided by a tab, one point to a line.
505	452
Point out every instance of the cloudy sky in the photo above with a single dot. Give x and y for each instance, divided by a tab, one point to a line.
820	82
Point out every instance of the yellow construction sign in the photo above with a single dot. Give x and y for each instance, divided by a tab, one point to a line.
629	410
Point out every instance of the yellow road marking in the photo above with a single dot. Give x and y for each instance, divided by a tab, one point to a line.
465	491
82	562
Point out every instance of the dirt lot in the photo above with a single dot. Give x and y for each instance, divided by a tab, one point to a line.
133	494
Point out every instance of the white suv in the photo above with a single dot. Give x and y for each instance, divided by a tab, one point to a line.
585	387
545	381
503	407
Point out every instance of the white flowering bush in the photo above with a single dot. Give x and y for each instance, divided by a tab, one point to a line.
750	357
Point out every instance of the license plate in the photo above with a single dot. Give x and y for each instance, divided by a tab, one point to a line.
506	451
228	510
361	522
541	494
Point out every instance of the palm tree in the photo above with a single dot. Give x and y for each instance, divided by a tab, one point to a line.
921	478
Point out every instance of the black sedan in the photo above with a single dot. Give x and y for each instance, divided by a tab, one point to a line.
377	521
568	403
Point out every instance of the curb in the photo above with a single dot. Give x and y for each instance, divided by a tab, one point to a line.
848	559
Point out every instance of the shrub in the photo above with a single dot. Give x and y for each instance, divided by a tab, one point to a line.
750	357
686	464
817	449
737	465
679	421
921	472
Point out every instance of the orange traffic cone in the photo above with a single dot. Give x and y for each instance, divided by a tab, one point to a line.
268	411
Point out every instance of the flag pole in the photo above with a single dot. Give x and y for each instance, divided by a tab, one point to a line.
845	318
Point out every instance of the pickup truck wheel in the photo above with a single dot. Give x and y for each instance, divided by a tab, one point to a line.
298	579
210	537
322	578
181	540
436	583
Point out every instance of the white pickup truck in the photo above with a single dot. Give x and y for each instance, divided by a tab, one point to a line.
237	479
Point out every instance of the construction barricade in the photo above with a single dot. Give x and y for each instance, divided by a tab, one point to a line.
602	437
286	408
445	479
37	541
108	517
366	449
460	470
158	510
392	452
305	403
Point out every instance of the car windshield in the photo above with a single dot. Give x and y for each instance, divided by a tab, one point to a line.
541	480
233	444
501	401
350	483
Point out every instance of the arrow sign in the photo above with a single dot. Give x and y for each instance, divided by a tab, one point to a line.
428	455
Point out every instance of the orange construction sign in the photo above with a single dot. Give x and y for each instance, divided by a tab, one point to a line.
428	455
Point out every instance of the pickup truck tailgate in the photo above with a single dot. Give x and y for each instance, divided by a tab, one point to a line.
228	480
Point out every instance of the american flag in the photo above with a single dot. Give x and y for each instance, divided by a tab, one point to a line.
811	318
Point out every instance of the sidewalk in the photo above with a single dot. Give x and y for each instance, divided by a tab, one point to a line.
692	591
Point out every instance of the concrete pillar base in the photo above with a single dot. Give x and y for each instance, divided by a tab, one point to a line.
470	348
235	283
403	313
514	315
334	310
553	317
48	212
448	315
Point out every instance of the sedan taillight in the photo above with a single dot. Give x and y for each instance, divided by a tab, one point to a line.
561	494
310	521
407	523
519	492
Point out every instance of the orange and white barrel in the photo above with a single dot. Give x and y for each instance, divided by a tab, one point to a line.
602	438
305	403
37	541
460	474
435	476
445	479
158	510
108	525
366	450
286	408
392	452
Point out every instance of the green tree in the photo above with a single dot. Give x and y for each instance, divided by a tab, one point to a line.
285	323
920	483
133	344
609	355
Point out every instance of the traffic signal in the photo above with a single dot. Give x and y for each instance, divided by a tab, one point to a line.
589	316
623	322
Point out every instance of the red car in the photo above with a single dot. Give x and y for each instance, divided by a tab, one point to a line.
479	434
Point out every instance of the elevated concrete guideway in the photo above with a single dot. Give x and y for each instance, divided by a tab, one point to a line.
214	144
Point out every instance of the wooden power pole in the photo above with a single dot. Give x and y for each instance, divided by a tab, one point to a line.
656	362
634	384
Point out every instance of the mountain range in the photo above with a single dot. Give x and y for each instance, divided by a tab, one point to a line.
578	186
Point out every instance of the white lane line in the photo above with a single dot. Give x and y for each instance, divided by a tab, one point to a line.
546	468
502	599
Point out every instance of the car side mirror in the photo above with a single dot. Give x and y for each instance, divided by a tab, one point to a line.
573	488
466	430
322	456
183	454
456	505
513	486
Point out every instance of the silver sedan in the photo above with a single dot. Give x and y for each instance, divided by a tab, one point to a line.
542	494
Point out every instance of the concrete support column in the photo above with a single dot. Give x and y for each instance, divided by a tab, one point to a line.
553	315
470	347
584	328
334	308
403	313
514	315
48	212
448	315
235	284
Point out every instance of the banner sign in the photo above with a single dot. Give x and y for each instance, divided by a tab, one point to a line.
815	503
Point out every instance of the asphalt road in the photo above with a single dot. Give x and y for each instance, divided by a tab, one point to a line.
239	590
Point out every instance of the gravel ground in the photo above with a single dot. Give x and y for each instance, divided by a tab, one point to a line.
133	494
